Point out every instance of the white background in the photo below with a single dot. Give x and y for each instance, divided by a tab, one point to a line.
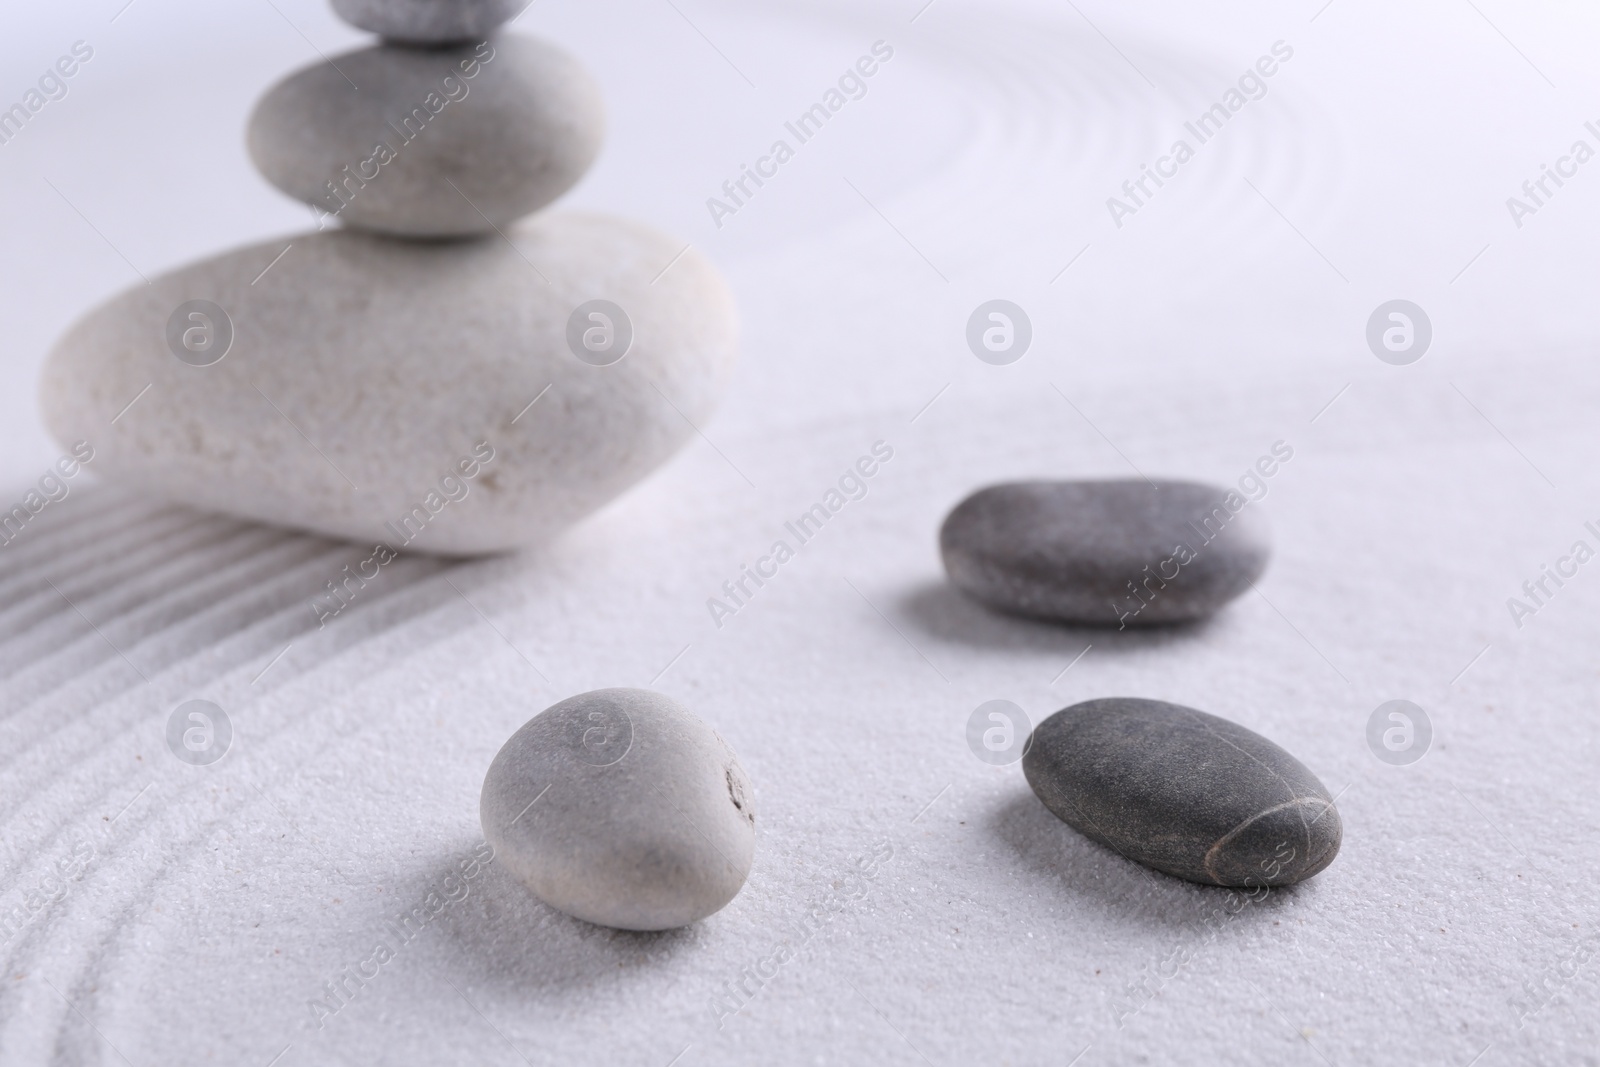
1223	317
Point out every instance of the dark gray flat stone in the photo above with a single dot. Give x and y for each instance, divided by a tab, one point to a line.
1106	553
1184	792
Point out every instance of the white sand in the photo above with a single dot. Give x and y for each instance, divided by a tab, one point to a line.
203	908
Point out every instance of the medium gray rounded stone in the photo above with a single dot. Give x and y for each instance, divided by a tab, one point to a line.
363	372
431	142
429	21
621	808
1184	792
1106	553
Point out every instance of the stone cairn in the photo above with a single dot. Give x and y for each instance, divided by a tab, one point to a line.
423	369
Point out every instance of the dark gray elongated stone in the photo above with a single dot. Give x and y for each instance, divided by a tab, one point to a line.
1184	792
1108	553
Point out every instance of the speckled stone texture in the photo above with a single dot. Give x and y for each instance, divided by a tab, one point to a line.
1106	553
1187	793
364	369
428	21
622	808
431	142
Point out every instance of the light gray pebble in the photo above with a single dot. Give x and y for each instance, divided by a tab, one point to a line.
1105	553
429	21
430	142
621	808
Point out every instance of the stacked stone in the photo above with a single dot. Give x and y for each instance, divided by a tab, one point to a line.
385	139
380	381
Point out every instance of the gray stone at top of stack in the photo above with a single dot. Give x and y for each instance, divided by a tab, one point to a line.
429	22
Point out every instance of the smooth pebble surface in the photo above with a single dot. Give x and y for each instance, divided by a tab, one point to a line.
431	142
1184	792
429	21
621	808
1106	553
364	370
